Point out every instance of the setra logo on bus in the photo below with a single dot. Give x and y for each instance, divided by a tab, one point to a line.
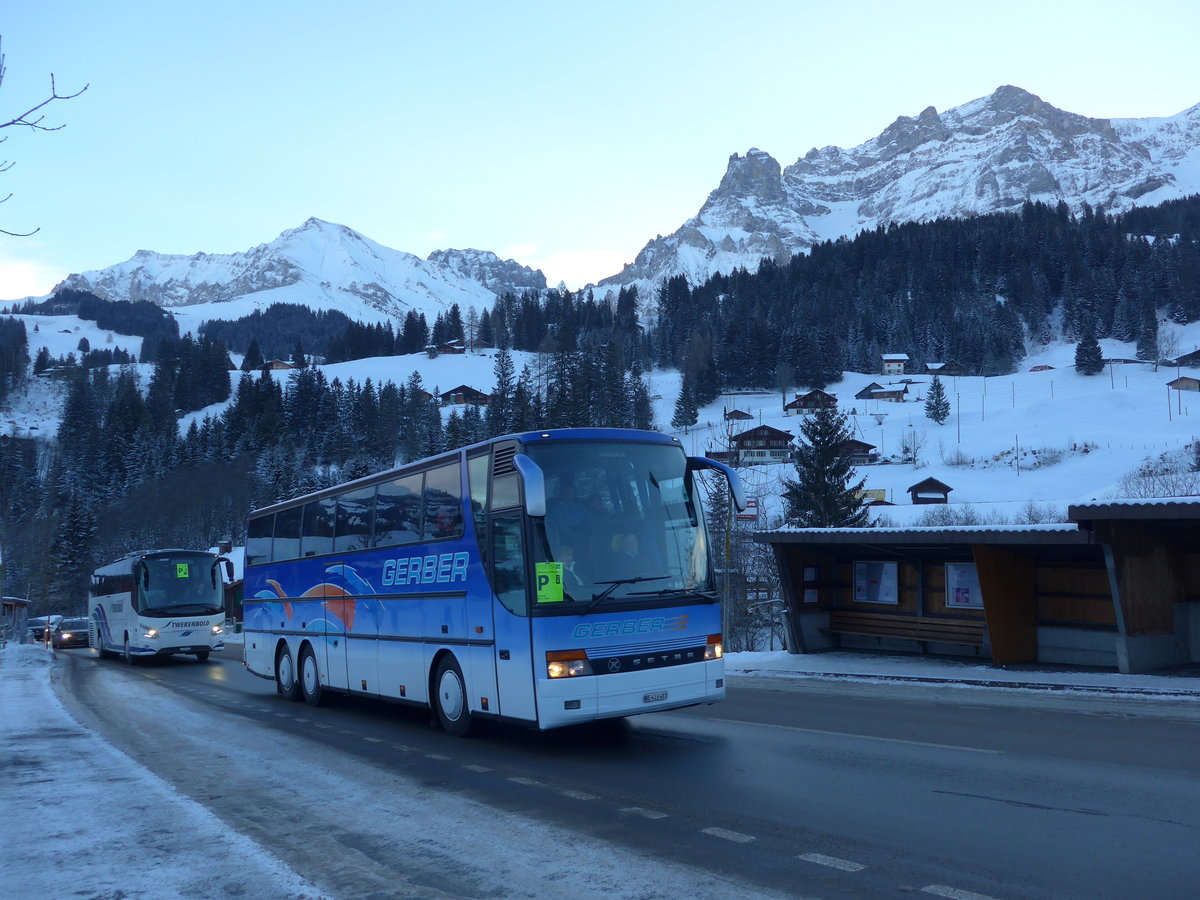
629	626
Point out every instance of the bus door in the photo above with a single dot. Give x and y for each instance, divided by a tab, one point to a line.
511	622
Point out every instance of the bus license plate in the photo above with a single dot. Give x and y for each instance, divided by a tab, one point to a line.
655	697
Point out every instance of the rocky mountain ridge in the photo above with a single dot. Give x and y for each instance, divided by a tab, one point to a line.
989	155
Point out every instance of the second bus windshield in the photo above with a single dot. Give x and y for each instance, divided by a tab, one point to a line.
621	520
180	585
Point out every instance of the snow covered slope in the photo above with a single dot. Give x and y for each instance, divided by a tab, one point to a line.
319	264
989	155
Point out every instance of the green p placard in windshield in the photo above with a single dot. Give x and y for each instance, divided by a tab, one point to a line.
549	582
182	570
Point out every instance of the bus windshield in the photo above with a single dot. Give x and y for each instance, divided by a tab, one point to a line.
621	524
179	585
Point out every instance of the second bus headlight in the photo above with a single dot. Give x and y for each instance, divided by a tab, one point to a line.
566	663
151	633
217	629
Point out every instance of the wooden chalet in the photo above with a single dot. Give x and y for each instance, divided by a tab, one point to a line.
891	394
277	365
859	453
893	363
761	445
930	491
948	369
737	415
1185	383
806	403
868	392
464	395
1042	368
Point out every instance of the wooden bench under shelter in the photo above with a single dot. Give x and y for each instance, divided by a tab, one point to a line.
941	629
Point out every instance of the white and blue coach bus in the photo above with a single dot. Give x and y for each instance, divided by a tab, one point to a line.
546	578
159	603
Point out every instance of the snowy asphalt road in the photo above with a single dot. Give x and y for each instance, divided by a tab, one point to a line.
809	788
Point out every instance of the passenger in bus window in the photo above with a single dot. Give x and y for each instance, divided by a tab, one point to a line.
572	580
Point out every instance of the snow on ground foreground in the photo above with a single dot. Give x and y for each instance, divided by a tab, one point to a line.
76	808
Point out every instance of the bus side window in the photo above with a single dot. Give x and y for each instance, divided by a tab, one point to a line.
477	478
258	541
398	511
443	502
316	537
286	544
355	510
508	572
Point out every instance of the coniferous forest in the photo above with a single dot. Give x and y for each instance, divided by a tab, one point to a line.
121	475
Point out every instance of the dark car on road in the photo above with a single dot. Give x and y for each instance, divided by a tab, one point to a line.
70	633
41	627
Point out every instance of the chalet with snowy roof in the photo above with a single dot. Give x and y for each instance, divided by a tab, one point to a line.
891	394
465	396
277	365
1042	368
1188	359
930	491
737	415
867	392
948	369
1116	586
762	444
806	403
893	363
1185	383
859	453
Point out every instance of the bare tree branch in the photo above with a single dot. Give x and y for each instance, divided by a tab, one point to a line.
33	119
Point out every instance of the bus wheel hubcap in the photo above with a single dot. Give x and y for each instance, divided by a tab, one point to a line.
451	696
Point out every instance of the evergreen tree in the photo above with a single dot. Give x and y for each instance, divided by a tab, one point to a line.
1089	359
499	411
687	413
254	358
937	407
823	495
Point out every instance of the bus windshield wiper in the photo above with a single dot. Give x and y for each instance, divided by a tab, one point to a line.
684	592
613	585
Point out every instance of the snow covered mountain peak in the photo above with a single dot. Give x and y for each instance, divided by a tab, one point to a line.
320	264
989	155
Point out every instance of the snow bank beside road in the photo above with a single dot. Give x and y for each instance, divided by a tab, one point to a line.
76	808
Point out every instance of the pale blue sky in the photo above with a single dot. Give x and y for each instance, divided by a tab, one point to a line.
564	135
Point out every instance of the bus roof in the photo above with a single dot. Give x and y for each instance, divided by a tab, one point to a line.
525	437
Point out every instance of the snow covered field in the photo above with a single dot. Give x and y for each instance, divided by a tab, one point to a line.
1050	438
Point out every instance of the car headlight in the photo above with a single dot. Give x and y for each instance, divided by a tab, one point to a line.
217	629
566	663
67	636
151	633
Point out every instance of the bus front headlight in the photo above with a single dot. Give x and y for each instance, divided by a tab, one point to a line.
151	633
217	629
566	663
714	649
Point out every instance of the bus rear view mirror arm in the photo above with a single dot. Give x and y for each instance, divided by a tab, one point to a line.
535	484
696	463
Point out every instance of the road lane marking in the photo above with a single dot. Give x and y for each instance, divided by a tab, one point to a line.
726	835
940	890
474	768
644	813
577	795
516	779
850	734
373	740
436	756
832	861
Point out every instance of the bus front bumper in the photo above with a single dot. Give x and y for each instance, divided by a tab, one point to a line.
566	701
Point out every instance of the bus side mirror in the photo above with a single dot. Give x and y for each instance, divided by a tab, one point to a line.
534	482
696	463
228	569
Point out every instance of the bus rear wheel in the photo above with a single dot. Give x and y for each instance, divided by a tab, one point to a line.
310	678
286	682
450	698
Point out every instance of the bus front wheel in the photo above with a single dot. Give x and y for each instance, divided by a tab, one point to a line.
310	678
450	698
286	682
202	655
130	659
